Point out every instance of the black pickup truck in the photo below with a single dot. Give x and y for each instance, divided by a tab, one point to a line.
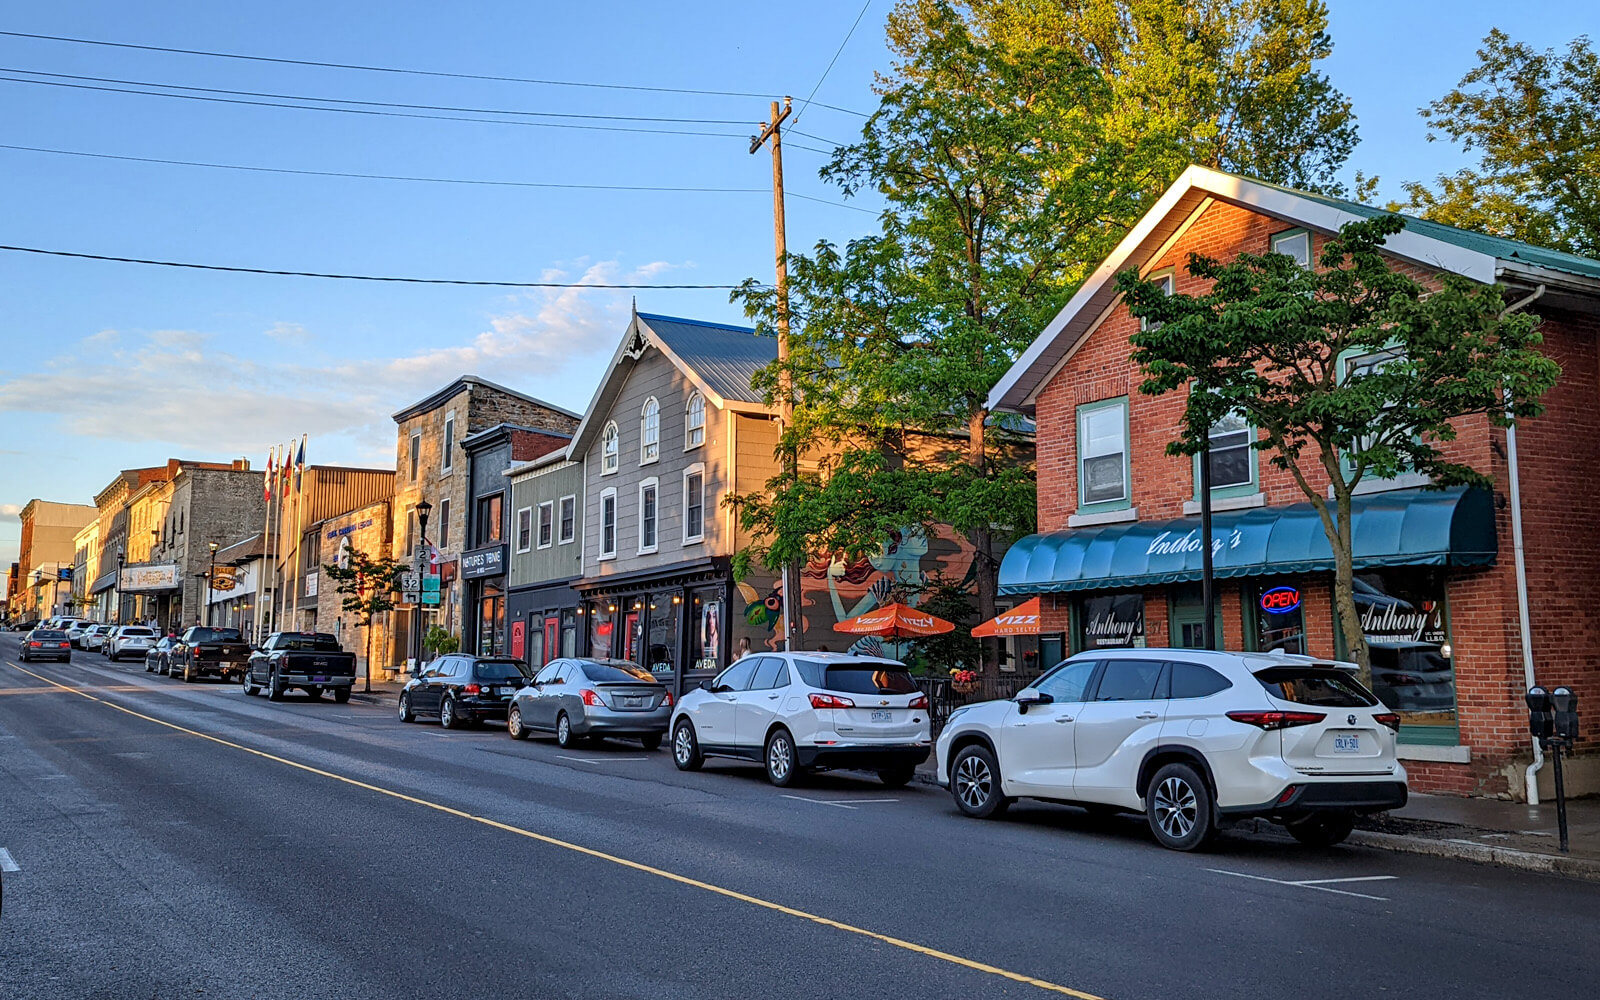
204	651
310	661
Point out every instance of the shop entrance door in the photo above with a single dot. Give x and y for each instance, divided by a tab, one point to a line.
1186	621
552	638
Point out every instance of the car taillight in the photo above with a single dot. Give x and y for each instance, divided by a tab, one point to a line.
1388	719
66	645
36	645
831	701
1277	720
471	689
667	699
920	701
593	699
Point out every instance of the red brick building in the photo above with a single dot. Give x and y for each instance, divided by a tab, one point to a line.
1118	554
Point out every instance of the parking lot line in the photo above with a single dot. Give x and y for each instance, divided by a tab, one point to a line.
1359	878
6	862
1309	884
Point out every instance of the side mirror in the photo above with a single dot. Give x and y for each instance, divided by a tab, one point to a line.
1031	696
706	686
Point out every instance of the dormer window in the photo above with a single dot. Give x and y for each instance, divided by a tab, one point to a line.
650	432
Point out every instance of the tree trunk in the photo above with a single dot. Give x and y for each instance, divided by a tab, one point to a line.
1344	599
985	568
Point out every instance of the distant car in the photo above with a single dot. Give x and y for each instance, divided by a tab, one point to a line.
155	658
582	698
128	640
94	640
458	689
25	625
46	644
78	629
311	661
205	650
795	712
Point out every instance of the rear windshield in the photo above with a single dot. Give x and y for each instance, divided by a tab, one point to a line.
867	677
314	643
616	673
1323	687
130	630
499	670
203	634
48	633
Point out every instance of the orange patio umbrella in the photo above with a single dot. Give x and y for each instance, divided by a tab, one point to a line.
895	621
1020	620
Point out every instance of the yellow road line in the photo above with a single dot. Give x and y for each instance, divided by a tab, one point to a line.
911	946
58	689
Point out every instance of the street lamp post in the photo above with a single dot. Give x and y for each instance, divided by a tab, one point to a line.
423	510
211	575
116	595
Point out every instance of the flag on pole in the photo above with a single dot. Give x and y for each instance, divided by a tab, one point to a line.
300	463
283	470
272	454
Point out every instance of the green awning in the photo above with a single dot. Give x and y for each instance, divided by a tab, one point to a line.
1451	527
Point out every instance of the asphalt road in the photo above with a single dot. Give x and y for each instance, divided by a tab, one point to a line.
177	840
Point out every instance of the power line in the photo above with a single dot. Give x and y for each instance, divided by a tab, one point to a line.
421	180
836	54
353	277
377	104
385	69
372	112
808	135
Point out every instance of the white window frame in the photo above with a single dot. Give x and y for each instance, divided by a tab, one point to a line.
547	507
1169	280
697	469
1120	404
653	485
608	496
447	462
571	499
416	455
689	426
1278	239
444	522
610	461
650	436
524	529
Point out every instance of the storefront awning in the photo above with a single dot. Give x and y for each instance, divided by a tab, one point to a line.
1452	527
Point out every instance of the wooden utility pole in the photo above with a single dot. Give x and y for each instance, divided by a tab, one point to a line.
772	129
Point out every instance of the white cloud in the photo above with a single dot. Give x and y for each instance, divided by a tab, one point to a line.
287	333
10	510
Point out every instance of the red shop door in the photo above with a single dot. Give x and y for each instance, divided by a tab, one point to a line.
552	638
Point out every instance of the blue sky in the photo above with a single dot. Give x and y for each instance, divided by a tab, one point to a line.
106	366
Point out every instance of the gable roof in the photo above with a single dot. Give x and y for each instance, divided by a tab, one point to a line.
436	399
1445	248
717	358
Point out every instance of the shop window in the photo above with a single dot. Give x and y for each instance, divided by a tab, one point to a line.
1295	243
661	645
569	632
524	529
610	449
694	505
444	522
547	524
416	455
1103	454
694	422
1233	460
1112	621
569	519
648	515
1275	620
706	625
608	524
489	516
411	531
1405	620
602	629
650	431
448	460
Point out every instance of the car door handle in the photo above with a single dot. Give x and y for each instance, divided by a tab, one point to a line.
1147	715
1063	718
774	697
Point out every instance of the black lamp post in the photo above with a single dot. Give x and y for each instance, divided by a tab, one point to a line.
211	575
424	508
116	595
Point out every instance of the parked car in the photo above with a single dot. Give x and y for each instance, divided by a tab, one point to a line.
156	658
25	624
205	650
587	698
798	712
128	640
1191	738
46	644
310	661
458	689
95	639
77	629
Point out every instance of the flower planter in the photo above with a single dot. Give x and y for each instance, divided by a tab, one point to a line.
964	687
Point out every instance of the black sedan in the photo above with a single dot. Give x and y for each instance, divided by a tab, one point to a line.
157	658
46	644
459	689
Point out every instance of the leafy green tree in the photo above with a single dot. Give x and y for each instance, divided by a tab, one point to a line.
1348	370
367	585
440	641
1230	84
1532	117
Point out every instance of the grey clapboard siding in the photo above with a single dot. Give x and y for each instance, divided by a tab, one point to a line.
558	562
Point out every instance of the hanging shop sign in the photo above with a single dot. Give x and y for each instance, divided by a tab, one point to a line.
225	578
490	561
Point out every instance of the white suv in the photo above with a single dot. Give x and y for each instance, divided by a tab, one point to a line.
796	712
1189	737
129	640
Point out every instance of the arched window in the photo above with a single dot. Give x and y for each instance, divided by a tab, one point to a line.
608	450
694	424
650	431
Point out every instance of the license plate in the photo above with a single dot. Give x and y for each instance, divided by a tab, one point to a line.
319	678
505	690
882	715
1347	744
633	703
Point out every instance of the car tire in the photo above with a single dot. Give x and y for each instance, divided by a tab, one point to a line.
1323	829
782	763
686	747
341	696
651	742
897	777
447	713
188	672
149	667
406	715
315	694
564	737
275	691
244	681
975	783
1178	805
514	727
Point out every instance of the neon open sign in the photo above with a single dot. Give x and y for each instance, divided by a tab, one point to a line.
1280	600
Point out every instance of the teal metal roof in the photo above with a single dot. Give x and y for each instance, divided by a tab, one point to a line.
1453	527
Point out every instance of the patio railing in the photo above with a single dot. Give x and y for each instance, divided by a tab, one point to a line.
944	699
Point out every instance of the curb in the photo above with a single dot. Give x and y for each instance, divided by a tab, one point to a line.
1485	854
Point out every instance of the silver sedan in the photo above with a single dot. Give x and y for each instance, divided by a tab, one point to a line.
582	698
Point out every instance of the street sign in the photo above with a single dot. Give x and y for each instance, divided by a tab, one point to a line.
410	587
430	590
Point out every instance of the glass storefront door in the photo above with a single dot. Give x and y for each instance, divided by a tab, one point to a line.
492	620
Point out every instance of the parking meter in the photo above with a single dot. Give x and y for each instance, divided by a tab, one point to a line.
1540	721
1565	704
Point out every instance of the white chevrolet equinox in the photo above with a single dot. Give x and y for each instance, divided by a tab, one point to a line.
1189	737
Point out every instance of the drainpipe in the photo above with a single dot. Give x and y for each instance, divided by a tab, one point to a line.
1530	779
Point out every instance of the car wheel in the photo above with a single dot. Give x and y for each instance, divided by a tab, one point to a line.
315	694
275	690
249	688
651	742
975	783
514	728
188	672
1179	808
686	748
341	696
1322	829
564	737
447	713
782	767
406	715
897	777
149	667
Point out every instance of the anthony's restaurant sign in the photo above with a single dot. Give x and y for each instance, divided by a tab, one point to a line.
139	579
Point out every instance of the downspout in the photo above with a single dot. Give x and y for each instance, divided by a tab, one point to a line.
1530	779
